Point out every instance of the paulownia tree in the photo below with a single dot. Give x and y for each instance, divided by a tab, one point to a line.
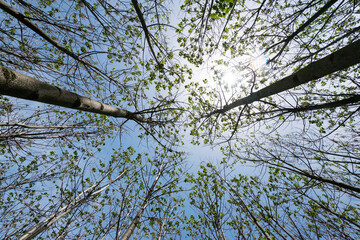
244	32
302	132
92	49
114	58
99	198
288	206
111	58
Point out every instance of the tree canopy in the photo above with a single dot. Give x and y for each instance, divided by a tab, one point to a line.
102	100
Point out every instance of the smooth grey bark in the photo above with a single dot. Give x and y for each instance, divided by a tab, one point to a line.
18	85
353	100
339	60
136	221
320	179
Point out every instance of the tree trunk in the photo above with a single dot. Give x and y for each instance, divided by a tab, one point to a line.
18	85
136	221
339	60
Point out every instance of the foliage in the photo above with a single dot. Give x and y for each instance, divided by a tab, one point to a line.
290	160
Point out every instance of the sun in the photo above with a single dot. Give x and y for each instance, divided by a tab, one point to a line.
234	74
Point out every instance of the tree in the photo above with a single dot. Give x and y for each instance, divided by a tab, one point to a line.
297	26
73	215
287	206
339	60
303	135
62	185
70	170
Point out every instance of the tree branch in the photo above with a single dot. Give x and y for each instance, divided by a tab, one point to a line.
23	19
339	60
301	28
146	31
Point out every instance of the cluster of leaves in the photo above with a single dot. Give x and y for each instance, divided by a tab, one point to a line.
66	174
288	206
304	138
291	35
59	177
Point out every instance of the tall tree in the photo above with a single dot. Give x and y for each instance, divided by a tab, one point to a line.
60	52
287	206
291	113
303	135
339	60
244	34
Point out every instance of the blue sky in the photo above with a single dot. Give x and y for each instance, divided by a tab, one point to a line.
195	155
